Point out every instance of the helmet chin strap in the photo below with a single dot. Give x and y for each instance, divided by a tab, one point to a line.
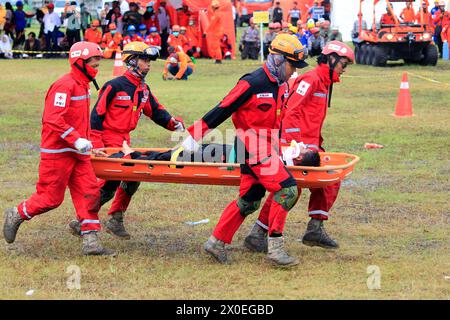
332	66
135	69
86	73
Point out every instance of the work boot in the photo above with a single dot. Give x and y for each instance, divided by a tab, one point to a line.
256	240
13	220
216	248
278	255
115	226
316	235
92	246
75	228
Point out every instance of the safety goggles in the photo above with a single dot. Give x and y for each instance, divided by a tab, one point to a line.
151	53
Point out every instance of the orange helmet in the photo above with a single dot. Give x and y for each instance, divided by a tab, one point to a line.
84	50
112	26
95	23
290	47
314	30
339	48
176	28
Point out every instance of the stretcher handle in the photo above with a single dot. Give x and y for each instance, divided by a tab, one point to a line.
354	158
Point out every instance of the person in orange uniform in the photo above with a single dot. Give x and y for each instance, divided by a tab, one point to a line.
176	39
94	33
111	41
445	34
178	64
214	33
424	16
408	15
387	18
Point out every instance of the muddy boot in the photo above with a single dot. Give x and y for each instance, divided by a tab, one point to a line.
316	235
278	255
216	248
75	228
115	226
92	246
13	220
256	240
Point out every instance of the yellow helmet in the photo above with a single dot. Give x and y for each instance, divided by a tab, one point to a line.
290	47
139	50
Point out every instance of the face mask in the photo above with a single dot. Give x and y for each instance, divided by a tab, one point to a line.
91	71
176	33
113	32
150	9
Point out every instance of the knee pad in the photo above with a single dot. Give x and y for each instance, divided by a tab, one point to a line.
287	197
247	207
130	187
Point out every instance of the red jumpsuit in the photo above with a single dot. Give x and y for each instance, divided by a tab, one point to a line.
255	105
65	119
128	39
302	121
153	40
119	107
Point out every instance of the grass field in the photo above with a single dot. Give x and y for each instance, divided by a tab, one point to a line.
393	212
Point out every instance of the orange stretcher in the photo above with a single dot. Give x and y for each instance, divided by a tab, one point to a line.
335	167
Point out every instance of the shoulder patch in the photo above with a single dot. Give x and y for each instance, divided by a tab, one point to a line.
60	99
303	87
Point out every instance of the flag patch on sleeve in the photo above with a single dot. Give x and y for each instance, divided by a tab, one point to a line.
60	99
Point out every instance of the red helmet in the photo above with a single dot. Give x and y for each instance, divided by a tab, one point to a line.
284	25
314	30
277	25
112	26
84	50
341	49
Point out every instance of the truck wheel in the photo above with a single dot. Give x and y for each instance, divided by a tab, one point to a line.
431	56
379	57
369	55
362	53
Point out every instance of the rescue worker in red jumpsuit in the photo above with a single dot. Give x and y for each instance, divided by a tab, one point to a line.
120	104
255	105
302	121
65	157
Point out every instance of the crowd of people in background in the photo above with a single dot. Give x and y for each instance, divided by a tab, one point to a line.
112	28
314	34
121	22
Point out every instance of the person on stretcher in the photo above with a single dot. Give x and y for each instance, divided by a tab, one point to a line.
216	153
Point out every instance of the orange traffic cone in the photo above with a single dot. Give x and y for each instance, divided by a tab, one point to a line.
404	104
118	65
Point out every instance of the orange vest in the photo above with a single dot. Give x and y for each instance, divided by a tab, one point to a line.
177	42
94	36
